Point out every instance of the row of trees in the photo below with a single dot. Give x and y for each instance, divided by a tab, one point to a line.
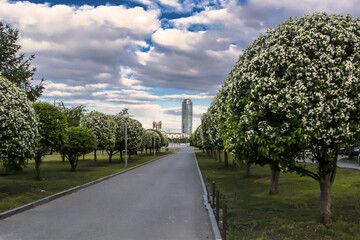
293	94
31	130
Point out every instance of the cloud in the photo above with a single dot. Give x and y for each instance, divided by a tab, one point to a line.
178	39
80	45
185	96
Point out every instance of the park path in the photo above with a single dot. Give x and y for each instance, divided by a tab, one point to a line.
341	163
161	200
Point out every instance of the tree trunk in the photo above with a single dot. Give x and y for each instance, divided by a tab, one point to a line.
203	150
226	158
247	168
214	154
275	173
110	157
62	157
219	152
121	156
95	158
37	169
326	182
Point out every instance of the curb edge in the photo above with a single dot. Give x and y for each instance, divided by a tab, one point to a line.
214	226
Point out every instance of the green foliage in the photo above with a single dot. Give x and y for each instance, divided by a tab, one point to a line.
52	127
150	136
73	114
162	138
120	132
18	126
135	132
80	141
14	66
104	128
295	92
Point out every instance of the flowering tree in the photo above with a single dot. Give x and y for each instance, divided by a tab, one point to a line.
150	135
135	132
104	128
18	126
79	141
298	91
120	133
52	128
146	141
205	134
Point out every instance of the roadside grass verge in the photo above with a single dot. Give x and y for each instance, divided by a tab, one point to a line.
21	188
291	214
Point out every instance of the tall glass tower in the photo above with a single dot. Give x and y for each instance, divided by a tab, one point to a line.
187	114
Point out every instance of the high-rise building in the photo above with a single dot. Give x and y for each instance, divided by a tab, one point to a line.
157	125
187	114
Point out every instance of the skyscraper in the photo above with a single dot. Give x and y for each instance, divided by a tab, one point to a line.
187	114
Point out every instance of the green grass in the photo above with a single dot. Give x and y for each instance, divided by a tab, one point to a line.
291	214
22	188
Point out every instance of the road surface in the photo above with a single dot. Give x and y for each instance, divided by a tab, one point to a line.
161	200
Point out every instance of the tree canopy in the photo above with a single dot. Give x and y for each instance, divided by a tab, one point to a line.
52	129
296	90
18	126
104	128
16	67
79	141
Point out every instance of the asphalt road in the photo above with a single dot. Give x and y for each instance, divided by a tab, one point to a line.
161	200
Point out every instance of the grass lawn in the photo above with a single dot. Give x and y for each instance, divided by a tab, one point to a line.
22	188
291	214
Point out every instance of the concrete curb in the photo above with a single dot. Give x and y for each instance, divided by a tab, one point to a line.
214	226
28	206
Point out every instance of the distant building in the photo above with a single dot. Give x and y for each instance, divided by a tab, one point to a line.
157	125
173	135
186	116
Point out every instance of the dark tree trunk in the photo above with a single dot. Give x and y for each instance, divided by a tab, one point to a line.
62	157
275	173
146	151
121	157
219	153
95	158
110	157
226	158
214	154
247	168
203	150
37	169
73	159
83	156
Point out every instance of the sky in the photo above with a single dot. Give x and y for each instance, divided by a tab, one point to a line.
143	55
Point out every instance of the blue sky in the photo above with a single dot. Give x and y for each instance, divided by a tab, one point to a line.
146	55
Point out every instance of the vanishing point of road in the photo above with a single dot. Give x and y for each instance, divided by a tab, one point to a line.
161	200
